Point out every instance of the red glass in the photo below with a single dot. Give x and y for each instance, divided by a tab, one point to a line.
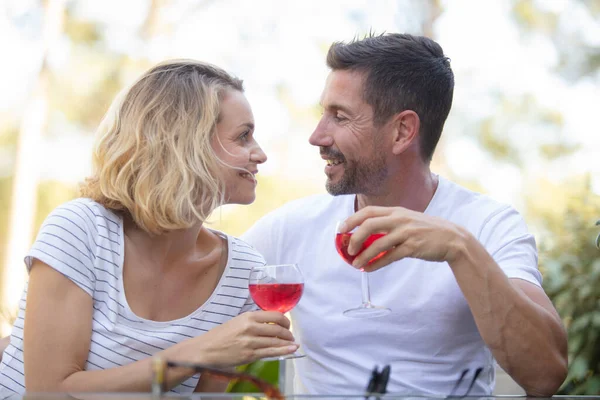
342	240
280	297
366	309
279	288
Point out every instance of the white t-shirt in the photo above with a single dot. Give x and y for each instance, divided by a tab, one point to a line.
84	241
430	337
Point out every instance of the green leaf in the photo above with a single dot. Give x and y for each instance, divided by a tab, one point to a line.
578	368
593	385
266	370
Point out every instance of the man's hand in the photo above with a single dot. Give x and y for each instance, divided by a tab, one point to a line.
408	234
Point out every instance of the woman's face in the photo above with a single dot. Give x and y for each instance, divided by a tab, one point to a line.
234	144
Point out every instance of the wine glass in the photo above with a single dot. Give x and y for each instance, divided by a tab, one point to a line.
277	288
366	309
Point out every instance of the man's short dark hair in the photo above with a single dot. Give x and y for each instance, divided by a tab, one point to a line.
402	72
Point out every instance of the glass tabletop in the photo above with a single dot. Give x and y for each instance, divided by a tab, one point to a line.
250	396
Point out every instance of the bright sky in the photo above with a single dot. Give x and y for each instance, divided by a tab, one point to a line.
275	44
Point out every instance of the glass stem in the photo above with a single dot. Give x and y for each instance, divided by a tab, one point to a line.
366	294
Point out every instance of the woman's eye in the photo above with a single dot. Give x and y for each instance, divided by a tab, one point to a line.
245	136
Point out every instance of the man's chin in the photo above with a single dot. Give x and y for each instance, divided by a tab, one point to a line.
335	189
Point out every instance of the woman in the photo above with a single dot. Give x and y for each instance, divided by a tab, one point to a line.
129	270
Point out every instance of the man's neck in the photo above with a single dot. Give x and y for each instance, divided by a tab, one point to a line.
413	192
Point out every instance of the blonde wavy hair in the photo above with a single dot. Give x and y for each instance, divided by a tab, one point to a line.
153	158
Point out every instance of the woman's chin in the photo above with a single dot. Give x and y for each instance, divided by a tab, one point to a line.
242	200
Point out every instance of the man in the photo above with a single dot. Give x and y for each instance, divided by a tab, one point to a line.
460	273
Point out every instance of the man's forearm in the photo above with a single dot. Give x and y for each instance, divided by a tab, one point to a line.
527	340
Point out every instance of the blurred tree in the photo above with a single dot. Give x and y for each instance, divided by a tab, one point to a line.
73	97
565	212
23	204
525	132
570	263
6	315
578	56
8	143
501	133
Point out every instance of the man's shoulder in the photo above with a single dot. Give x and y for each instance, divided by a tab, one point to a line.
462	204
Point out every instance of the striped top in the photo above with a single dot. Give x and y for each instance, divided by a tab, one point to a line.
84	241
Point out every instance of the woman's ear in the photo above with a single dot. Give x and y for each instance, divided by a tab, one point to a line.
406	128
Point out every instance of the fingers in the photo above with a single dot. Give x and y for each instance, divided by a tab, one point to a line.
274	351
248	337
269	323
271	316
273	330
271	342
366	229
360	216
392	255
386	243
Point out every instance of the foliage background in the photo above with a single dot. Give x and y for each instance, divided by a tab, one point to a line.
523	126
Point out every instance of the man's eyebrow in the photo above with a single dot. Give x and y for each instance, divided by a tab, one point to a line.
334	106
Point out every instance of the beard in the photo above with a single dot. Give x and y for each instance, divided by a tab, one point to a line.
358	177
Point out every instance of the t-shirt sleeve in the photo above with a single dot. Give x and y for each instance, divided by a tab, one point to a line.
250	305
256	258
65	242
506	237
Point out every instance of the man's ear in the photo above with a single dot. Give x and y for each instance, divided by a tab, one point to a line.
406	129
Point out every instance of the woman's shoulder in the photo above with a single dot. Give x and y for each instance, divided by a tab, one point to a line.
74	237
85	216
88	208
244	251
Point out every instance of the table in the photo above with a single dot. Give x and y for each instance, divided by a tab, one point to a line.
250	396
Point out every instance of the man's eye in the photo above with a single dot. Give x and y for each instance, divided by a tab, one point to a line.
339	118
245	136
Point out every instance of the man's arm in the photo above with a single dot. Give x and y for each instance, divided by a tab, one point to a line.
515	318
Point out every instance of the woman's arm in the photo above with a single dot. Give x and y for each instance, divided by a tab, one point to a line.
57	332
211	384
58	328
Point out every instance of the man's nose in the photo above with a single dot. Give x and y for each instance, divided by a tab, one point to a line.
321	137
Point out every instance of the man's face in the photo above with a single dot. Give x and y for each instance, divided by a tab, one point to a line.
348	140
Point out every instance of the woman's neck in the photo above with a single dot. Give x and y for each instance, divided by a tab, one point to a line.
171	247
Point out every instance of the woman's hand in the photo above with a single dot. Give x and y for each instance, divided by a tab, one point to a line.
245	338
